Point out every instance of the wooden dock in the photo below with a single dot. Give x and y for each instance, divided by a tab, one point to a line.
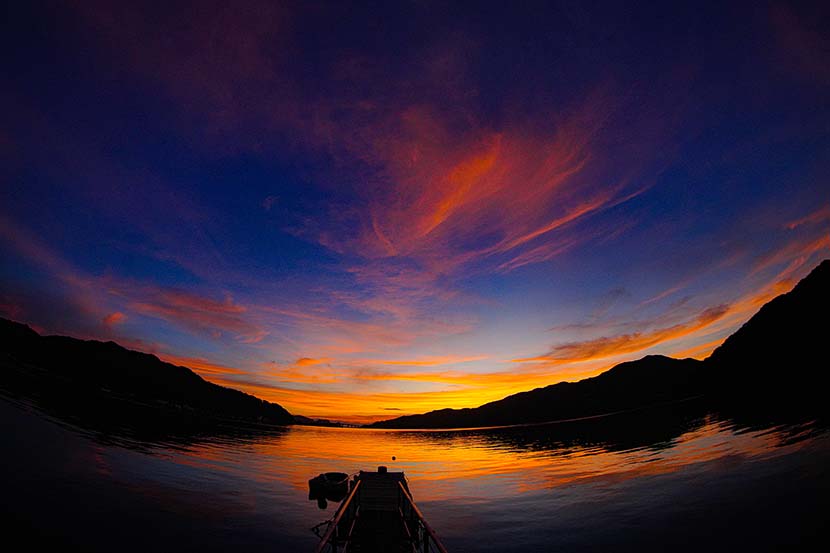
379	516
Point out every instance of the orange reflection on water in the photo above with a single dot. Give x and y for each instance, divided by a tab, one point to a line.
479	464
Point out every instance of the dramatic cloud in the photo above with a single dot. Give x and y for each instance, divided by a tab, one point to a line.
202	366
259	192
818	217
308	361
607	346
114	318
199	313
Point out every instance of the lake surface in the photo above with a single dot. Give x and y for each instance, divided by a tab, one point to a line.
678	478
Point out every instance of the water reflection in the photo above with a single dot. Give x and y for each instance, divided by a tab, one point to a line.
137	426
575	485
503	462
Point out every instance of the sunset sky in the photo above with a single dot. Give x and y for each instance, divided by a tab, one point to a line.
366	212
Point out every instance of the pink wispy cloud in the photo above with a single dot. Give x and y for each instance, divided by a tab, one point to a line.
610	346
197	312
444	195
114	318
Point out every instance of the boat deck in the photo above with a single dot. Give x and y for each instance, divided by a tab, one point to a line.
379	516
379	532
380	527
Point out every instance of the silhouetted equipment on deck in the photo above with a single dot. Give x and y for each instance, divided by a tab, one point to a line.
379	516
328	486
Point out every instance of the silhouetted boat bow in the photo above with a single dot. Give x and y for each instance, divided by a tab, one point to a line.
379	515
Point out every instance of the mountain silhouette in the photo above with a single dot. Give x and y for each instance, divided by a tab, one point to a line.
788	334
776	358
653	379
69	370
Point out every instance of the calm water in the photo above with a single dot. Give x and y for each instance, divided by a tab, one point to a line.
676	479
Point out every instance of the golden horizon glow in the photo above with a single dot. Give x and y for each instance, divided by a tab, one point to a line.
335	383
472	389
357	235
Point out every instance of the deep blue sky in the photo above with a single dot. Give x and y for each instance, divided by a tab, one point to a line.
408	205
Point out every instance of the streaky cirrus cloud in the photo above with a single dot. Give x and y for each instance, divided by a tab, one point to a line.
499	196
114	318
202	366
466	213
194	311
607	346
817	217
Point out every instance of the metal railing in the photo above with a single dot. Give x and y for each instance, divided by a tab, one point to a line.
421	534
342	524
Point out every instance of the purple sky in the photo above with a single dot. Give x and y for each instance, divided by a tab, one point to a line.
363	212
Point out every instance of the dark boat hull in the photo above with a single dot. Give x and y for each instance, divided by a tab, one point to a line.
331	486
